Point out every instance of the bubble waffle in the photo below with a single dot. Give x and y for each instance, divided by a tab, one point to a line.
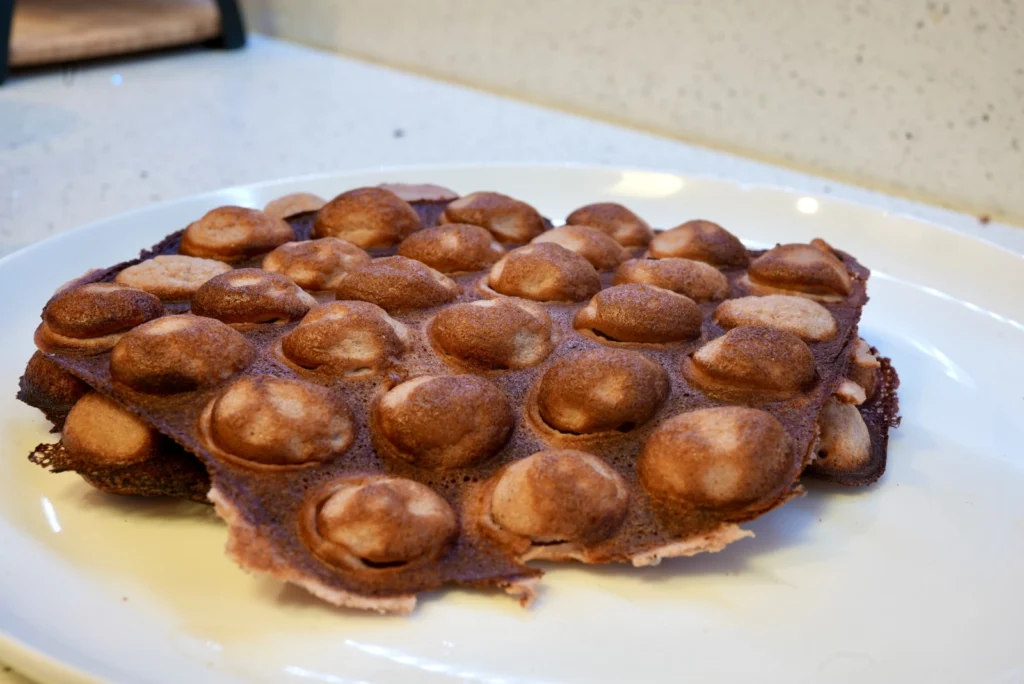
440	431
115	451
853	434
50	388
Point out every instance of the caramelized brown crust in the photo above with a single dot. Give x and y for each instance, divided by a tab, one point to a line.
640	313
171	277
295	203
118	453
375	523
315	264
494	334
172	472
559	496
420	192
508	219
850	392
865	368
351	339
601	390
452	248
800	269
233	234
701	241
251	295
443	422
844	443
600	249
99	309
177	354
262	421
397	284
839	448
628	229
695	279
731	459
544	272
50	342
102	433
49	388
752	362
367	217
804	318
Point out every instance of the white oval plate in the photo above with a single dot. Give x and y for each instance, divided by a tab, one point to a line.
917	578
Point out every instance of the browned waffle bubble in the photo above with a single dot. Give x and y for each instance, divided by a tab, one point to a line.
854	425
437	428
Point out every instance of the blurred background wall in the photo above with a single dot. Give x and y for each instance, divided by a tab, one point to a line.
917	97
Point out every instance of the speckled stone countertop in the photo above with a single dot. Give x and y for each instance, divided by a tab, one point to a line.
99	140
921	99
106	138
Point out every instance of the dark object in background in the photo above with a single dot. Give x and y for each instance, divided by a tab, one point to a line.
6	19
60	31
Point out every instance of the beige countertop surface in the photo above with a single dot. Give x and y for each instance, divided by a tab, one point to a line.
923	99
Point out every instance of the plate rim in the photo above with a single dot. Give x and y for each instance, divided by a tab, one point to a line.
569	166
37	663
